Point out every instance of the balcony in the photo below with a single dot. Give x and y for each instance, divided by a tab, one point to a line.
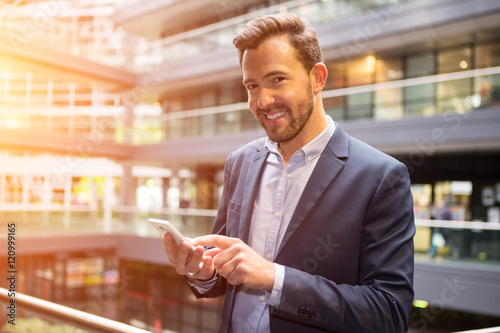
472	264
66	119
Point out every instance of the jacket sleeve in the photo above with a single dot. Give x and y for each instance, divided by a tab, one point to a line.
381	299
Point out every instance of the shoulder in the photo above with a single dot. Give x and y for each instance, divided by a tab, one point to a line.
363	158
243	155
359	149
253	146
248	150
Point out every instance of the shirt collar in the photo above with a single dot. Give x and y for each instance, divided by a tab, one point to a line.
311	150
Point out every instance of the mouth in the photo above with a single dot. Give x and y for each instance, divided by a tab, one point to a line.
275	115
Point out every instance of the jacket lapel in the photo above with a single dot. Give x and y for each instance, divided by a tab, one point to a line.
329	165
252	183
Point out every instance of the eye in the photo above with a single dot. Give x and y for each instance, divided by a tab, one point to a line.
251	86
278	79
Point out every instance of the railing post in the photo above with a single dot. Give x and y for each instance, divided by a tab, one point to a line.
71	106
50	103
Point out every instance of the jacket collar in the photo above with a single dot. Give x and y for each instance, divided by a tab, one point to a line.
252	184
330	163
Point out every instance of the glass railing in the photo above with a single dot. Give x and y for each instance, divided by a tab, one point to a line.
129	220
98	40
58	107
29	314
220	35
78	28
469	241
236	118
103	119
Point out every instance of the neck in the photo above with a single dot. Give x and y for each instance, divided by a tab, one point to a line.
315	125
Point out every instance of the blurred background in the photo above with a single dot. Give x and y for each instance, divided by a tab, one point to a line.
115	111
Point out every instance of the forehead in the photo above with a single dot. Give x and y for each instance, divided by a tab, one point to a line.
273	54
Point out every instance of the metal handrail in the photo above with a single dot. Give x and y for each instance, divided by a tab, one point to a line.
83	320
484	330
436	78
475	225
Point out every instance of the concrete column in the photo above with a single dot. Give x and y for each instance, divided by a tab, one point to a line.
182	193
68	189
67	192
47	192
206	187
108	201
128	190
128	186
93	194
26	183
128	122
165	187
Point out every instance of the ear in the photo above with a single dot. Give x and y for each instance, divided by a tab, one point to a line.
319	74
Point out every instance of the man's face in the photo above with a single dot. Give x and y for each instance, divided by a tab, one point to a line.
279	89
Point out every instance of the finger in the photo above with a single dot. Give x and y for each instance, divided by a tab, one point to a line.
228	271
207	270
212	252
221	242
223	258
170	248
182	258
235	255
196	260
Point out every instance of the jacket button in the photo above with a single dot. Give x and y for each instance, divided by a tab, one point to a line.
301	311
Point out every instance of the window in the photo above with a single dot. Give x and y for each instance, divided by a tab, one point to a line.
453	95
421	64
454	60
360	72
336	76
335	107
359	105
388	103
486	92
13	189
388	69
35	188
487	55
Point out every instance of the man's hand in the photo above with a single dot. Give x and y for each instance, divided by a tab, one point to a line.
200	262
238	262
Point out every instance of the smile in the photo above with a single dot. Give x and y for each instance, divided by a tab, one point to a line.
276	115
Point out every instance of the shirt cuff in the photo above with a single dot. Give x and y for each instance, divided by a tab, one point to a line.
273	298
204	285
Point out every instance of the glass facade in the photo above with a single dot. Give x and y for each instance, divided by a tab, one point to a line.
77	194
437	94
46	105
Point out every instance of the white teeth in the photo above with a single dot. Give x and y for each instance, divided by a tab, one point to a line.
276	115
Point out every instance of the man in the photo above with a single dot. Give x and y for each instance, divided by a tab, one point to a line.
314	229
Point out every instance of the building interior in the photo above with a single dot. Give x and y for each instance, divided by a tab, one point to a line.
113	112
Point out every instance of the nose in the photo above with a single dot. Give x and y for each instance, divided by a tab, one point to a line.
265	99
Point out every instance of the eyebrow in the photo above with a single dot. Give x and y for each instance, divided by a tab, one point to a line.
266	76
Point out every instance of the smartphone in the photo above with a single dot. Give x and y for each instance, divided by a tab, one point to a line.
164	227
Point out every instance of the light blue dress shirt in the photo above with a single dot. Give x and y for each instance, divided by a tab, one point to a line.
280	190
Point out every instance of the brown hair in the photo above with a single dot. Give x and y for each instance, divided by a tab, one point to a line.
301	36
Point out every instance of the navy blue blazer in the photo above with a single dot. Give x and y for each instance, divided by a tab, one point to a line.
348	251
